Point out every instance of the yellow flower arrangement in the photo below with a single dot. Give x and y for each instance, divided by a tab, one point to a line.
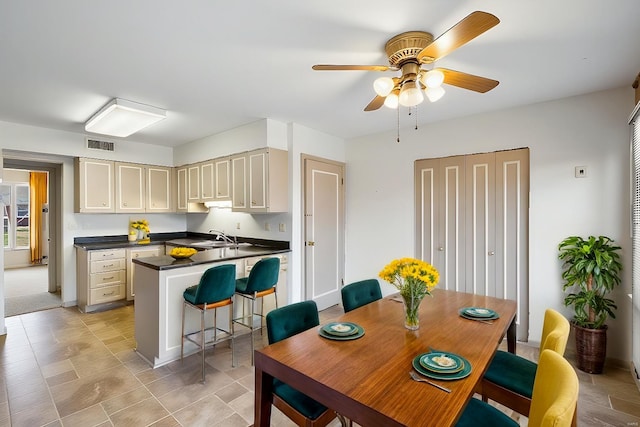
142	224
414	279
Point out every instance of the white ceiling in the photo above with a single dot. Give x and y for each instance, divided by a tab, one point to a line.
217	65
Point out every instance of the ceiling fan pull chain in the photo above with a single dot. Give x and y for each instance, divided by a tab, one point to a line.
398	128
416	107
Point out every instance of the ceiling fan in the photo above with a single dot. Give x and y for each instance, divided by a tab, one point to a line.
407	52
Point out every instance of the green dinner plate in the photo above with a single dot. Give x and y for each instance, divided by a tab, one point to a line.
358	334
466	370
478	318
430	361
340	329
479	312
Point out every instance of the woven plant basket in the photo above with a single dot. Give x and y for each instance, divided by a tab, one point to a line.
591	348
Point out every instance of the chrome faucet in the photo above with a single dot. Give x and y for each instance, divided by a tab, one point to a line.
221	236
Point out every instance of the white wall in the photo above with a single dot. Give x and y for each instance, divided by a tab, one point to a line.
47	145
589	130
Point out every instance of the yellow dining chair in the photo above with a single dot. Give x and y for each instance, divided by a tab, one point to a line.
509	378
553	404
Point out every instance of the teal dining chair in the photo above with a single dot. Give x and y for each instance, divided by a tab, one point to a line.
360	293
215	290
283	323
262	281
553	401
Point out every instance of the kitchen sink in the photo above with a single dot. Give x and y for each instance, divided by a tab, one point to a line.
206	244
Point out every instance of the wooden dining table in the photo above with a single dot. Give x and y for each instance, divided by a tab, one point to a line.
367	379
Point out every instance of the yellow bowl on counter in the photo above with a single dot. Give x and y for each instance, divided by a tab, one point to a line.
182	252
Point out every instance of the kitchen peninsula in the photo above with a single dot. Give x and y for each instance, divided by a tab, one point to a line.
160	282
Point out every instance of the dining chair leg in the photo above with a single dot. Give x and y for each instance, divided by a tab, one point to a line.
182	337
233	345
202	340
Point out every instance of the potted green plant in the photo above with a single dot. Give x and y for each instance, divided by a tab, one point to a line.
591	269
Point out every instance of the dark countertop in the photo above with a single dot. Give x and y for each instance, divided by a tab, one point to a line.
249	247
166	262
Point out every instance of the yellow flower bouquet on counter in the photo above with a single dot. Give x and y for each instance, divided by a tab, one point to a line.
141	228
414	279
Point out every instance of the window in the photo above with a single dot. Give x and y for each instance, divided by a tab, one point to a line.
15	218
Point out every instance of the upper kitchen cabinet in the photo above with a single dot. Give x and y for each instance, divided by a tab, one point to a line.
94	186
159	194
238	178
104	186
222	178
130	187
193	183
260	181
182	193
207	181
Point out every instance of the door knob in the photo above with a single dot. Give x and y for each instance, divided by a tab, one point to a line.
441	249
491	253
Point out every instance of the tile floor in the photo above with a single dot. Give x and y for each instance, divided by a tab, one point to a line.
60	367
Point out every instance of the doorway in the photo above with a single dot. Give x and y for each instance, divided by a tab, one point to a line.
323	198
34	287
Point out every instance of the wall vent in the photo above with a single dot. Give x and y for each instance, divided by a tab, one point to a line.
100	145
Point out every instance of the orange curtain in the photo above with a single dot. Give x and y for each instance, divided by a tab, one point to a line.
37	198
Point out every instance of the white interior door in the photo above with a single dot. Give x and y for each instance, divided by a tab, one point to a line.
324	231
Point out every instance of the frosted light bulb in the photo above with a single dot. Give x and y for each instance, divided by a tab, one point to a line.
383	86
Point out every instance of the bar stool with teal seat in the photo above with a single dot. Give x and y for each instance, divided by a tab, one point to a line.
215	289
261	282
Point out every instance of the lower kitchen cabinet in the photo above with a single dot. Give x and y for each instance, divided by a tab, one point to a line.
136	253
101	277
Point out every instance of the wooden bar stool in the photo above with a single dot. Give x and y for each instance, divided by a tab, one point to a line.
215	290
261	282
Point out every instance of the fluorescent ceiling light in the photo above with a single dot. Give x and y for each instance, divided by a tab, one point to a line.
123	118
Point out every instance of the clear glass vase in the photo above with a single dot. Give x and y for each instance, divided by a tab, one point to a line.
411	303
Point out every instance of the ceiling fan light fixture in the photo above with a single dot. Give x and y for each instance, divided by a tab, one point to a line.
410	94
434	93
383	85
433	78
391	101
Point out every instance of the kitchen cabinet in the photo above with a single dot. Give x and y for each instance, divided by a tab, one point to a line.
94	186
207	181
130	187
260	181
135	253
159	189
238	187
222	178
182	192
103	186
193	183
100	276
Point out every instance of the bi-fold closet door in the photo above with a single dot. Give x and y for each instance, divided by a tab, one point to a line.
472	224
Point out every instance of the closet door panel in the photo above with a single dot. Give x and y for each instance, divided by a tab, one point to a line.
480	224
451	232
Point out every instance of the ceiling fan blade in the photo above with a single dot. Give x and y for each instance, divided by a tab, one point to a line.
376	103
468	81
464	31
325	67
